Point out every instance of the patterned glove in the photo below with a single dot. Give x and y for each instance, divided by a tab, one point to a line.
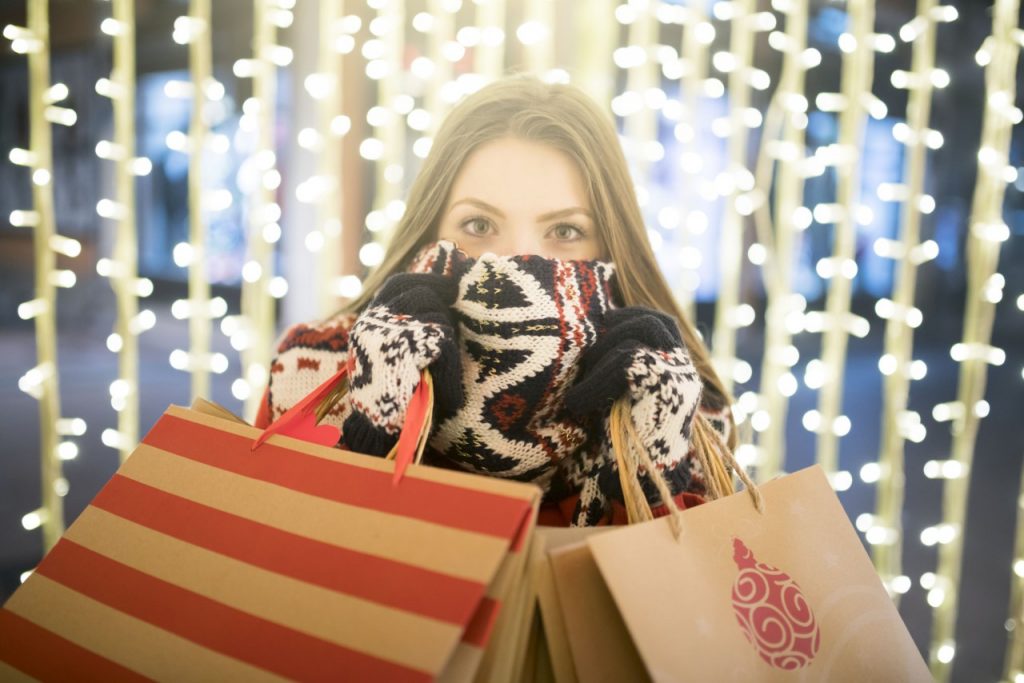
640	355
406	328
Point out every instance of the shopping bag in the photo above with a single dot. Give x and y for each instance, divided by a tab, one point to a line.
599	642
783	594
490	653
556	648
205	559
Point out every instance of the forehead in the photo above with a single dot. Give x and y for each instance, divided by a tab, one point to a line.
510	172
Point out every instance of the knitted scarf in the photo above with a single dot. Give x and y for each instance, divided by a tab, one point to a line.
523	322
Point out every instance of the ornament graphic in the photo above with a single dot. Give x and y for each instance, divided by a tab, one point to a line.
773	613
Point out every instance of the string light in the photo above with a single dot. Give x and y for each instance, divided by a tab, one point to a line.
194	30
386	147
738	63
257	316
900	314
324	241
975	352
41	381
783	141
837	323
122	267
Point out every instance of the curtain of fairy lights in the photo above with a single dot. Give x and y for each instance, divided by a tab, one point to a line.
40	382
975	353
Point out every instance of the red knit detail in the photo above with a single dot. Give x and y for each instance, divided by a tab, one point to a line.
308	364
333	338
276	368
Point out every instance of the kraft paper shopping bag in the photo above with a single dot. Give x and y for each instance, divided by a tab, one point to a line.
787	594
601	646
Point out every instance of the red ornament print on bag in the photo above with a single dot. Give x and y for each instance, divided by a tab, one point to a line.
773	613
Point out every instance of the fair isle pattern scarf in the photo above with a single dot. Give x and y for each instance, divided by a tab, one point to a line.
523	322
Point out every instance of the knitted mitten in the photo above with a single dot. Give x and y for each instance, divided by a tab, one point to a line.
641	355
307	355
406	328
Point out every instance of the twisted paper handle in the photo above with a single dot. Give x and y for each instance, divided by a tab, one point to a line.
302	421
630	454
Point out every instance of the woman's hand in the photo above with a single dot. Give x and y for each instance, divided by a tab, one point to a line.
604	366
640	355
406	328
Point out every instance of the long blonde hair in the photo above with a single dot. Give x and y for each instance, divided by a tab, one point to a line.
566	118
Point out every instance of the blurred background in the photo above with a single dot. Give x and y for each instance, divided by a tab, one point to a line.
832	189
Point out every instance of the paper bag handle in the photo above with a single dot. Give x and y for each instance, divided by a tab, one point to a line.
302	421
630	455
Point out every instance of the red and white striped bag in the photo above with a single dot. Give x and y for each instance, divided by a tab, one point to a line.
204	558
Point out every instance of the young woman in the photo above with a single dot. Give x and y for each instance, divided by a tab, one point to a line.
522	277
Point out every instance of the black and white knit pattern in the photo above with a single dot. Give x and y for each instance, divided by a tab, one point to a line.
388	352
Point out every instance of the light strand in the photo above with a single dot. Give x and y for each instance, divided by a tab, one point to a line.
386	147
536	35
698	34
325	187
435	71
789	108
260	287
897	366
642	77
41	382
488	39
737	62
594	40
982	260
857	66
201	73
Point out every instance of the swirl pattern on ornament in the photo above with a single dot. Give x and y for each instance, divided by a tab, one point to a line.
772	612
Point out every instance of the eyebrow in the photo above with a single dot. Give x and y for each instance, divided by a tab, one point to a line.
560	213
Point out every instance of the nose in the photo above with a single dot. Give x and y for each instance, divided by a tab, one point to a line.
525	241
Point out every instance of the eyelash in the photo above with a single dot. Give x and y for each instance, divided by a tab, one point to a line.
580	231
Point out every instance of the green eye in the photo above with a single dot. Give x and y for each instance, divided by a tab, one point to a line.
467	227
565	231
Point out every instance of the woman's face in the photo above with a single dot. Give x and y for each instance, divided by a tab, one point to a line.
513	197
